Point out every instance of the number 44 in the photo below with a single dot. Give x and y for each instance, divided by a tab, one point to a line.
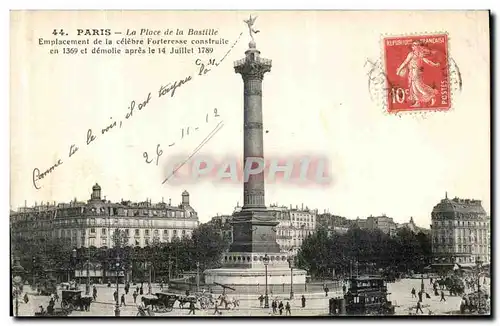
398	95
60	32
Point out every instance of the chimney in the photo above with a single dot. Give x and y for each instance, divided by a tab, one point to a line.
302	206
162	200
170	202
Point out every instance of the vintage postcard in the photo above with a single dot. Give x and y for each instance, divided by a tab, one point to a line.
235	163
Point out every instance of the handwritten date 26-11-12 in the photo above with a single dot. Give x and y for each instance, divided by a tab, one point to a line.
184	132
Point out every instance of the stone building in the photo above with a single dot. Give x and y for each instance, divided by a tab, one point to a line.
93	223
383	223
460	232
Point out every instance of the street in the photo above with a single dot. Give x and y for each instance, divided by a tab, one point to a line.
317	303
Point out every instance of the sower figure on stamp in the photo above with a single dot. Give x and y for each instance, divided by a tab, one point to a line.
413	66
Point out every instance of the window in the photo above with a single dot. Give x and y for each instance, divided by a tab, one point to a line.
136	232
175	233
183	233
92	230
127	232
92	221
103	231
156	232
147	242
103	242
146	233
92	241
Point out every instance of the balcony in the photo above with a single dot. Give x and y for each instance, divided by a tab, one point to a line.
259	60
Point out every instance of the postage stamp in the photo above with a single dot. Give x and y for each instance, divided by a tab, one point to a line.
417	73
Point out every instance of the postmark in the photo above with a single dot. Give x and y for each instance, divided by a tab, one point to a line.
415	74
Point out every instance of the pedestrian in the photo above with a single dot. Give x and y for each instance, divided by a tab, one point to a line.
413	293
26	299
344	288
123	300
192	308
56	296
274	305
94	293
115	296
261	300
135	296
141	291
288	309
303	299
427	295
161	286
326	291
419	307
420	296
280	307
431	280
109	284
216	308
442	296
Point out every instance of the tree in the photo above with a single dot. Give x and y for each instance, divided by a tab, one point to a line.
363	250
206	247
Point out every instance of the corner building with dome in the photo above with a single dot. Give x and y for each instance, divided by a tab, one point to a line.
461	232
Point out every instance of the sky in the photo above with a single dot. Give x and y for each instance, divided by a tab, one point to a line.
316	103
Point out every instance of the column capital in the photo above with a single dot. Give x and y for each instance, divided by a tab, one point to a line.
252	68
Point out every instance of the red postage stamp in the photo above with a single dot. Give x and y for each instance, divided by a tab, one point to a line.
417	73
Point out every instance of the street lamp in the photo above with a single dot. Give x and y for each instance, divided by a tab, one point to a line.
479	264
117	306
74	262
17	272
33	269
150	264
87	287
197	276
291	264
266	299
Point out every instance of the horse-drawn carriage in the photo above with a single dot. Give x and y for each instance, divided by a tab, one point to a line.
57	312
476	302
206	300
46	286
453	284
73	299
161	301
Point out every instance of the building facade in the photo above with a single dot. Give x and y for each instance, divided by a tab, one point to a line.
284	231
460	232
383	223
93	223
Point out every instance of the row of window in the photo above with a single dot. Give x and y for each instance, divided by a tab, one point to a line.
137	232
461	223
